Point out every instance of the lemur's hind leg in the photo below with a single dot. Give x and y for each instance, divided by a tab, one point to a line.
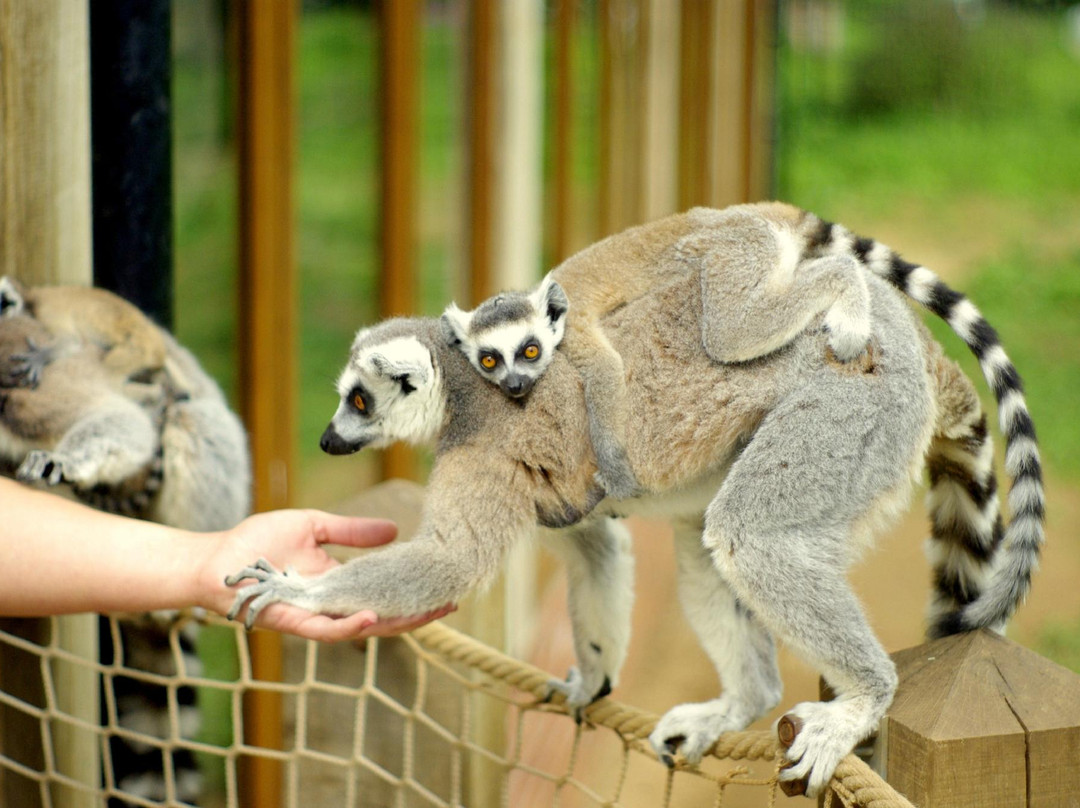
600	576
758	295
605	400
738	645
780	531
109	444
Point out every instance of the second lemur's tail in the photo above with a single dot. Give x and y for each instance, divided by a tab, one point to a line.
982	571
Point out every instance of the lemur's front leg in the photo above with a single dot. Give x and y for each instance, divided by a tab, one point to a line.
473	513
600	573
606	404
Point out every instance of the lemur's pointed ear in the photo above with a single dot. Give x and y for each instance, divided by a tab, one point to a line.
411	372
455	324
551	299
11	296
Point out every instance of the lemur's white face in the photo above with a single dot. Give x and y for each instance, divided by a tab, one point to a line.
511	338
390	391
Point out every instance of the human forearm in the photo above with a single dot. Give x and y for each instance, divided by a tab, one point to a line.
60	557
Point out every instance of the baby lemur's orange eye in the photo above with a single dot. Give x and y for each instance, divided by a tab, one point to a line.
487	361
532	351
359	403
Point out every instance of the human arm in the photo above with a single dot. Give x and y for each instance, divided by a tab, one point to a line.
60	557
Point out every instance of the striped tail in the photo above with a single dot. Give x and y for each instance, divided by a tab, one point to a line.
985	572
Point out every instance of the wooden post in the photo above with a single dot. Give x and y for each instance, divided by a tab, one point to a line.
981	721
399	24
45	227
481	100
623	26
266	34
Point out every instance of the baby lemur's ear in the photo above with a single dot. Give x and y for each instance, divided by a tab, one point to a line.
11	296
550	298
410	372
455	324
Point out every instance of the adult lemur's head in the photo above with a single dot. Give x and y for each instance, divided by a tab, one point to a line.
510	338
390	389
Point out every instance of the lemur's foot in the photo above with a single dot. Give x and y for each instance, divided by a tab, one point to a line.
41	466
271	586
580	691
691	730
24	369
827	732
617	480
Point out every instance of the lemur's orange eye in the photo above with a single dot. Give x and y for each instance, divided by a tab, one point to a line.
532	351
487	361
359	403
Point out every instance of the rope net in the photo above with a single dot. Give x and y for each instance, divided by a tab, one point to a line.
432	719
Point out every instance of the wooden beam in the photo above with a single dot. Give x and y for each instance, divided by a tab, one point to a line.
266	34
399	25
45	149
45	227
481	100
562	149
623	26
695	91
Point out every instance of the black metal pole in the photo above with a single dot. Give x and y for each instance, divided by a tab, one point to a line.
131	144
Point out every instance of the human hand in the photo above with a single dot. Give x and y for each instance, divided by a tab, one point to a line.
296	539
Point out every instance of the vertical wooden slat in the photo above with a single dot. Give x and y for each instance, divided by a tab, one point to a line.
562	151
661	108
623	34
45	141
760	99
267	322
728	147
399	24
481	78
45	227
695	91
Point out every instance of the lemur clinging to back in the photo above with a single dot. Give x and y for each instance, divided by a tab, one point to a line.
774	473
759	289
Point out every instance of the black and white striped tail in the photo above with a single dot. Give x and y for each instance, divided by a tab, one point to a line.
984	571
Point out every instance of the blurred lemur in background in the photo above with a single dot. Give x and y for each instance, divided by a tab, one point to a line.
99	403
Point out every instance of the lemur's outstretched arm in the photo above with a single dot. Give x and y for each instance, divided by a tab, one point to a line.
472	515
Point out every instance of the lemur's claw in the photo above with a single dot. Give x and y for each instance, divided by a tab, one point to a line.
257	596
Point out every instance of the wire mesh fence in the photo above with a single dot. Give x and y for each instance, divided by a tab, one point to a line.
431	719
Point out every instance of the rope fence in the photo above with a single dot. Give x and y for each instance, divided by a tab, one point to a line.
398	723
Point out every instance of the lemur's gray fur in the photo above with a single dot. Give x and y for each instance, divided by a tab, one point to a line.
99	403
759	289
98	400
775	471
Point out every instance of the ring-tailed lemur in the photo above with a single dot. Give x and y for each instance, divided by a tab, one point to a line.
775	472
99	403
754	249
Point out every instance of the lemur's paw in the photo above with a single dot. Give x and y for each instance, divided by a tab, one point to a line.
41	466
827	733
270	587
580	691
618	485
24	369
691	730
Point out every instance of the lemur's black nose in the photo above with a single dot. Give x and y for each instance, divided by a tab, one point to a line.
332	443
517	386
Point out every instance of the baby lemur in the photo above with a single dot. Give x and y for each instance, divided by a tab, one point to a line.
761	286
775	472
